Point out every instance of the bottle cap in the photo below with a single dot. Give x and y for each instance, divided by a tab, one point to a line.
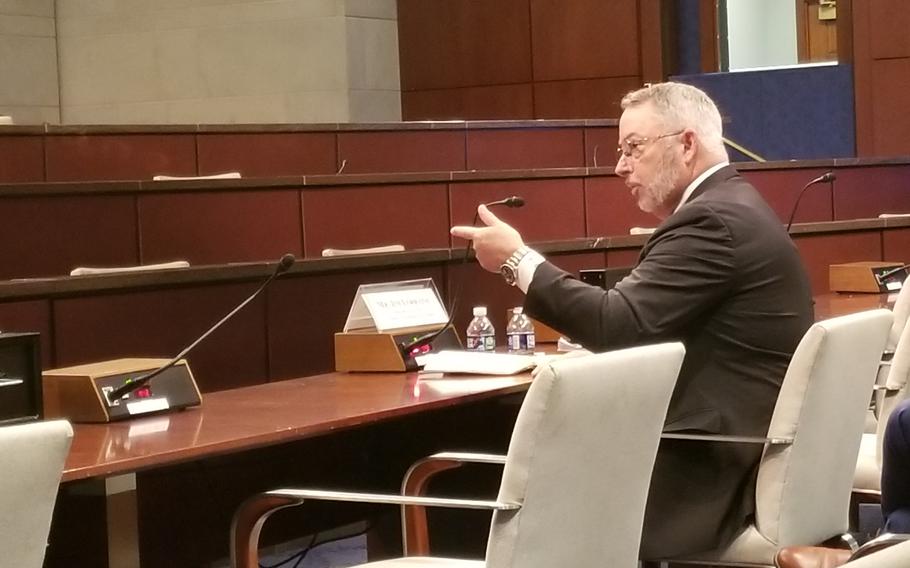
517	310
480	311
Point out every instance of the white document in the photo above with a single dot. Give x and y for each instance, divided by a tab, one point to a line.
87	270
227	175
478	363
370	250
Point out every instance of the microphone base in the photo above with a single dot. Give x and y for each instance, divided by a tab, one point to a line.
865	277
374	351
81	393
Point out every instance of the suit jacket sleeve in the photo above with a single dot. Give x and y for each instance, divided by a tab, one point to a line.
685	271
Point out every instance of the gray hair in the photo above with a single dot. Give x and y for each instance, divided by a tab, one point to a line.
683	106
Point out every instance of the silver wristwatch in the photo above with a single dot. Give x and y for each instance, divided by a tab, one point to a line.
509	268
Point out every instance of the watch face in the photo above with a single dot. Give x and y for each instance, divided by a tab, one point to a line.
508	273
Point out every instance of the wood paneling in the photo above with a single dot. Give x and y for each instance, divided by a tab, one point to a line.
51	236
610	208
890	22
462	43
820	251
781	188
416	216
496	102
881	77
584	39
219	227
268	154
402	151
578	56
21	158
30	316
600	146
582	98
119	157
554	209
891	121
523	149
305	312
859	194
161	323
896	245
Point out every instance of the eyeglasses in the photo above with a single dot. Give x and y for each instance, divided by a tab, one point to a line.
635	147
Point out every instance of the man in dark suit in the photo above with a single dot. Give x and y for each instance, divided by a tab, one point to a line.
719	274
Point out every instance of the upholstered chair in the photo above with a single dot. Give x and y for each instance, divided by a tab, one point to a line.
30	470
576	474
805	474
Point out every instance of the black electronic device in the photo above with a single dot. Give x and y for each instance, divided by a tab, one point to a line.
20	377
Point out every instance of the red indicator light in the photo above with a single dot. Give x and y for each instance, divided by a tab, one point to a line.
144	392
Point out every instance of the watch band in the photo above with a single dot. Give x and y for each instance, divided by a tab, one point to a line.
509	268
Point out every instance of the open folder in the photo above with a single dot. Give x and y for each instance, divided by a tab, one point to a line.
477	363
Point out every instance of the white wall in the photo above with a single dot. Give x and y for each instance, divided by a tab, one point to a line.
762	33
28	61
227	61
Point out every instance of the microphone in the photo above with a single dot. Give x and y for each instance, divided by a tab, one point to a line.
407	348
284	264
886	275
826	177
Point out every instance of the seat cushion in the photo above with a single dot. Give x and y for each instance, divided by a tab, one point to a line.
748	548
423	561
868	476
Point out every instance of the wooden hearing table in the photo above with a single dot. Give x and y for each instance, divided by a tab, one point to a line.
106	457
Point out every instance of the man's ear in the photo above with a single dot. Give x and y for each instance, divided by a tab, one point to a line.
691	145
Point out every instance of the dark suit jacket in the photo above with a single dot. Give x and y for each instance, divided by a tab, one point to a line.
722	276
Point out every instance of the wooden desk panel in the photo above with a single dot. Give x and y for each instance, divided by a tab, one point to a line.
30	316
553	210
220	227
509	149
896	245
402	151
415	216
602	143
119	156
50	237
610	208
267	154
859	193
21	159
780	188
160	323
821	251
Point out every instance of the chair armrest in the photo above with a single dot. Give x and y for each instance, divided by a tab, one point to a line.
884	388
725	438
879	543
414	534
252	514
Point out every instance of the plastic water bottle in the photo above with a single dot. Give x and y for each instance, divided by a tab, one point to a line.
520	332
480	335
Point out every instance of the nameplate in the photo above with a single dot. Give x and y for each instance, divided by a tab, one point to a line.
390	306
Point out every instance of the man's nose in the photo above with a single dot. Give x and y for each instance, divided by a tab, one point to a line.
622	168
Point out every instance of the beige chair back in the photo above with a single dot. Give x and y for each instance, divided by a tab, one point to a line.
30	470
580	460
803	489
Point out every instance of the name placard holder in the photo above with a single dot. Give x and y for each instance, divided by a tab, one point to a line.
866	276
385	316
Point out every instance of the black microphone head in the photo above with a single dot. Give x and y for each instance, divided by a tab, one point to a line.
828	177
514	201
287	260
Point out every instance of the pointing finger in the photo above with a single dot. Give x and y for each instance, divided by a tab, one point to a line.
464	232
487	216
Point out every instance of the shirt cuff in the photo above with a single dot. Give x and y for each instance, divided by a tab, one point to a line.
527	266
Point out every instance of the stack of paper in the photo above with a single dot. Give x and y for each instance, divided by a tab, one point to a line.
477	363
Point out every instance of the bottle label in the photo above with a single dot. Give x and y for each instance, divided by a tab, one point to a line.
475	343
521	342
489	343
